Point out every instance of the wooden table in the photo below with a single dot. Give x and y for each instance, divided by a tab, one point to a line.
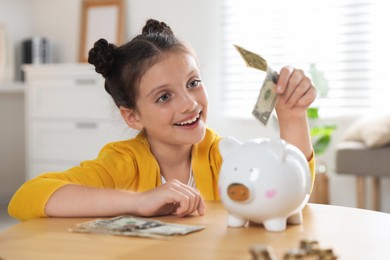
351	233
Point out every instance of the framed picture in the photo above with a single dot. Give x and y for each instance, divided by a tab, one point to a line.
100	19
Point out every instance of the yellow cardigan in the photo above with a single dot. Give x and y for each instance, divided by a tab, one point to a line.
125	165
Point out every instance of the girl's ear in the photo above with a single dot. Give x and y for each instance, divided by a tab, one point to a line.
131	118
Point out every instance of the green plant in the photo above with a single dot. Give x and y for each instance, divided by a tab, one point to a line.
321	134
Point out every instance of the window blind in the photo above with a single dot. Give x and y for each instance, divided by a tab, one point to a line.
344	39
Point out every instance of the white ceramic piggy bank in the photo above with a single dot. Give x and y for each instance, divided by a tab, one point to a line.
264	181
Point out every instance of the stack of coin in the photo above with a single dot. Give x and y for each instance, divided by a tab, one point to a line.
295	254
308	245
326	254
262	252
310	250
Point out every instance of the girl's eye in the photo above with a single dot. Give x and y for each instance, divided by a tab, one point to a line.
163	98
194	83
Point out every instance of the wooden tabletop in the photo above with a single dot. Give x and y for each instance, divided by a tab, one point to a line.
351	233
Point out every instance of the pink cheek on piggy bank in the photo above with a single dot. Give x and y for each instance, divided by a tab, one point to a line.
269	194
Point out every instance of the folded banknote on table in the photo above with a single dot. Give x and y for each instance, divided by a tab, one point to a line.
134	226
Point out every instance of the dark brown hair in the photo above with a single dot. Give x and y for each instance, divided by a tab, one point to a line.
123	67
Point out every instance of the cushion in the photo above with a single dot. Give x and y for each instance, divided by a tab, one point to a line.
354	158
373	131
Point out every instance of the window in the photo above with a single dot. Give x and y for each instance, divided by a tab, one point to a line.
344	39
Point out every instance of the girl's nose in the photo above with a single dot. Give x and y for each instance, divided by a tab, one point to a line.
187	103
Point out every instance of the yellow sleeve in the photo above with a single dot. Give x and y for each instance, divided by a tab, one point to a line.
30	199
206	162
106	171
312	167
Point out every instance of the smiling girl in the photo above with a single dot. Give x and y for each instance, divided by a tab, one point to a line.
173	164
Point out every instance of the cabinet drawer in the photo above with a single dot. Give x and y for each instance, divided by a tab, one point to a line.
71	141
69	98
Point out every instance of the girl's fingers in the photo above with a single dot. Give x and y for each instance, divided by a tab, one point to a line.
295	88
171	197
295	78
308	98
187	198
284	77
298	91
201	208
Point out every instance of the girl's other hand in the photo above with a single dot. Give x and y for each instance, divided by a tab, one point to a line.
173	197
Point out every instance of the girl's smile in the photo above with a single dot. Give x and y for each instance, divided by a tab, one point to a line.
189	122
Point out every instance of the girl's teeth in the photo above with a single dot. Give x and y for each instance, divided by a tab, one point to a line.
189	121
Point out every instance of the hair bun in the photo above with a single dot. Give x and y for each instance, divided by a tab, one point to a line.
102	56
155	27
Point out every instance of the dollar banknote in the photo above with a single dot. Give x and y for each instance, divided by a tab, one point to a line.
268	96
134	226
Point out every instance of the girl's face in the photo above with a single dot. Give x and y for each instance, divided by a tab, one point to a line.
172	102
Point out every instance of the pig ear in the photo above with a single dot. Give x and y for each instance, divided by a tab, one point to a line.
228	144
278	147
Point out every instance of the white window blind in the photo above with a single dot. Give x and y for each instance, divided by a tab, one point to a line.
347	40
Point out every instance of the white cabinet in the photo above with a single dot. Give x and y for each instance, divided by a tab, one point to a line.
69	116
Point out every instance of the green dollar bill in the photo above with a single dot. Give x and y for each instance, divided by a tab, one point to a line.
266	100
252	59
268	96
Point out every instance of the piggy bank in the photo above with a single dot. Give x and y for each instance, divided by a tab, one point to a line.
265	181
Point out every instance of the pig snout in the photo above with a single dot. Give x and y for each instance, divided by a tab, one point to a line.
238	192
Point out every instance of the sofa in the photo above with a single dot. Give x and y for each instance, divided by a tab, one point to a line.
364	152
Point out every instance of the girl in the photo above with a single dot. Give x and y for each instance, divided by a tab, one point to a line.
172	165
